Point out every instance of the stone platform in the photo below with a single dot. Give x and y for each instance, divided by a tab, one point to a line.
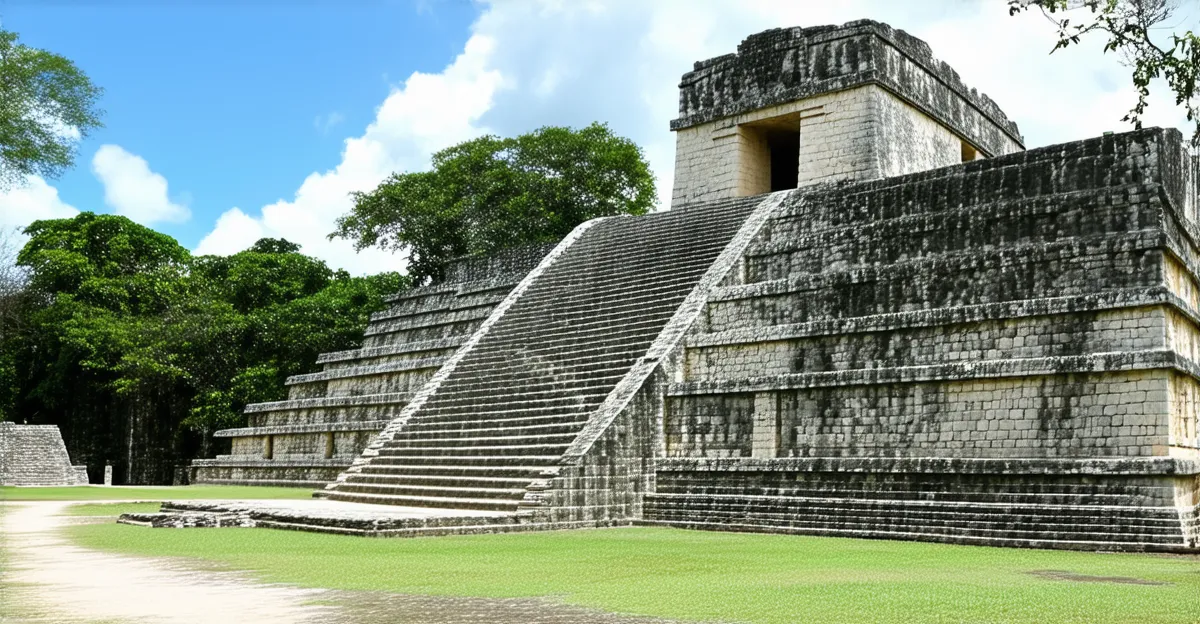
339	517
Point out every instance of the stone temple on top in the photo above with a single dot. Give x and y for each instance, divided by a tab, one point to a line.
869	312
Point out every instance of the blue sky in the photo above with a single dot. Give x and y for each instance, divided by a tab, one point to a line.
235	106
227	121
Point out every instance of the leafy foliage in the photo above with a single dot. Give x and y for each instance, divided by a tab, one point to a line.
129	336
490	193
46	105
1128	24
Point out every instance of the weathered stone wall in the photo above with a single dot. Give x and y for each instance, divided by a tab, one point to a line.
36	455
788	64
993	309
1035	310
867	101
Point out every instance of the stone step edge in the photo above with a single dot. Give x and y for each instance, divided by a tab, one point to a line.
1098	245
371	370
415	346
1038	205
387	398
956	315
945	538
955	371
872	503
254	461
1165	466
328	427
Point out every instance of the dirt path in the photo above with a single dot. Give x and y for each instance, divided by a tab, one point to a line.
44	578
47	579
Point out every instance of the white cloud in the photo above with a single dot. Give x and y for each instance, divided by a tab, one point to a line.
425	114
30	202
529	64
132	189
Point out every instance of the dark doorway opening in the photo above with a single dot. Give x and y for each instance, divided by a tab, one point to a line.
785	158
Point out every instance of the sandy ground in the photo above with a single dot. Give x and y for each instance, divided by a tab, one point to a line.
46	579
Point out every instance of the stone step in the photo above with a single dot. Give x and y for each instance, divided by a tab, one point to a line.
392	326
558	407
934	491
408	366
642	330
1056	540
362	400
548	306
492	450
448	305
394	486
480	461
448	476
423	501
479	395
525	474
572	425
999	527
473	439
409	348
888	508
356	425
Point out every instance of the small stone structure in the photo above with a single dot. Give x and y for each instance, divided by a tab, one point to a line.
934	335
36	455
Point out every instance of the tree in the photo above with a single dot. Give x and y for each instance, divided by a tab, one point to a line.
12	298
46	105
490	193
1129	26
139	350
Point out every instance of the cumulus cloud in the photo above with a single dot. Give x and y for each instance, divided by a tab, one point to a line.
133	190
529	64
31	201
421	116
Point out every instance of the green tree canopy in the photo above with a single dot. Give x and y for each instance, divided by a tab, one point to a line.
124	335
1137	30
46	105
490	193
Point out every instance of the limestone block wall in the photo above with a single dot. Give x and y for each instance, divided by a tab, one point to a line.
868	102
944	354
1011	309
36	455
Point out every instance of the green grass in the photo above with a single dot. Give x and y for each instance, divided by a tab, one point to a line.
110	509
96	492
700	575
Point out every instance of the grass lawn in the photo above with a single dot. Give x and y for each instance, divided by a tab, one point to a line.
154	493
706	576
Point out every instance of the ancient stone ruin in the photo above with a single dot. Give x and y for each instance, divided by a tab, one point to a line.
869	312
36	455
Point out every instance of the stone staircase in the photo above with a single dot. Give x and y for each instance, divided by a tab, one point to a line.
36	455
330	416
1121	505
504	416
